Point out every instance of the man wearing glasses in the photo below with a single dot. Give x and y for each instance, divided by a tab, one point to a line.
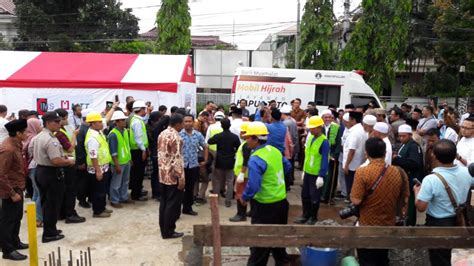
465	146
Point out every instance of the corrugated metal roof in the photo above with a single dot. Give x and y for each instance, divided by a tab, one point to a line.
7	7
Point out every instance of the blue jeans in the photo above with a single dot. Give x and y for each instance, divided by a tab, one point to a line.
36	196
119	184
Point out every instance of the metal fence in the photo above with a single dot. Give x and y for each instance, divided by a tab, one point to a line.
217	98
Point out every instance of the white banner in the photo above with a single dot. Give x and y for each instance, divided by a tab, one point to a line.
51	102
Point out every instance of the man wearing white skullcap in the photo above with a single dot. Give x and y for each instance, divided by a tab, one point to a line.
381	132
410	158
369	122
331	130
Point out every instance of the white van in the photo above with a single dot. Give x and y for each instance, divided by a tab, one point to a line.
283	85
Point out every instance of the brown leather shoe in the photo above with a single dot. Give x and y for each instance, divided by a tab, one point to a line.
128	201
116	205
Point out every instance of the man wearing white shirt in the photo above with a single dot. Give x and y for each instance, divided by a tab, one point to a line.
465	146
3	121
353	150
368	123
236	122
470	111
381	132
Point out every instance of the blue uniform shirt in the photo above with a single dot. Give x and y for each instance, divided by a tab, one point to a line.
256	169
433	191
276	135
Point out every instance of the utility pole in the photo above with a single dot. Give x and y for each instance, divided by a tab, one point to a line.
233	32
297	37
346	23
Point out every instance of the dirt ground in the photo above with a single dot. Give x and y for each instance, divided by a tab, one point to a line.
131	236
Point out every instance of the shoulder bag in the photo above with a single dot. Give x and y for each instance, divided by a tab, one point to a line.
459	209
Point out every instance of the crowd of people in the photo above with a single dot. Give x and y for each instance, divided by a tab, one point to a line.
379	162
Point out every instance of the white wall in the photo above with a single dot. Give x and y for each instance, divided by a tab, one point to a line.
214	69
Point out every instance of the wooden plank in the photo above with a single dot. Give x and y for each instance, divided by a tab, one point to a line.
339	236
216	230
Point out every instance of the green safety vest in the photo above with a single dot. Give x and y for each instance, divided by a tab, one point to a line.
273	180
103	154
215	129
312	157
69	137
239	161
333	130
123	150
133	143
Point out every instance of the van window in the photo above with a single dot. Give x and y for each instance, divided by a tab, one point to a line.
327	94
358	100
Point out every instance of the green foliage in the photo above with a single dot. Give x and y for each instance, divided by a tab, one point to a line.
74	25
173	21
134	47
441	84
4	45
317	51
378	42
290	55
454	24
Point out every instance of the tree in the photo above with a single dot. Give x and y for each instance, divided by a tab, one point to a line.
454	28
173	21
317	51
134	47
4	45
378	42
72	25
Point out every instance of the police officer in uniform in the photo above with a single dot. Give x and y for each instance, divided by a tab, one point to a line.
12	185
48	154
266	189
315	168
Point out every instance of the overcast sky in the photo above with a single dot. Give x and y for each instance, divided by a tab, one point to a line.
253	19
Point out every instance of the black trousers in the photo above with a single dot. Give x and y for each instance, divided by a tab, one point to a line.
349	182
50	181
170	208
273	213
310	196
191	176
155	180
10	220
440	257
373	257
137	172
99	192
70	193
84	186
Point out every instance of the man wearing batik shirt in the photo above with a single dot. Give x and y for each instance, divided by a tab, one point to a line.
171	174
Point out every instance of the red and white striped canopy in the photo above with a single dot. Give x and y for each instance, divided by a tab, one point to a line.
94	70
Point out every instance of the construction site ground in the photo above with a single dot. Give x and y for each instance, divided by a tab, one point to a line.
132	235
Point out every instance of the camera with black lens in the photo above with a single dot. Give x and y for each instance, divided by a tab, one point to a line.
351	210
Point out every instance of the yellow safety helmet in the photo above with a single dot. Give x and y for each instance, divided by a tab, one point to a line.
93	117
256	129
244	126
315	121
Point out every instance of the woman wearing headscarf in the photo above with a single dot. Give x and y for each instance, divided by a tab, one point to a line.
33	129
